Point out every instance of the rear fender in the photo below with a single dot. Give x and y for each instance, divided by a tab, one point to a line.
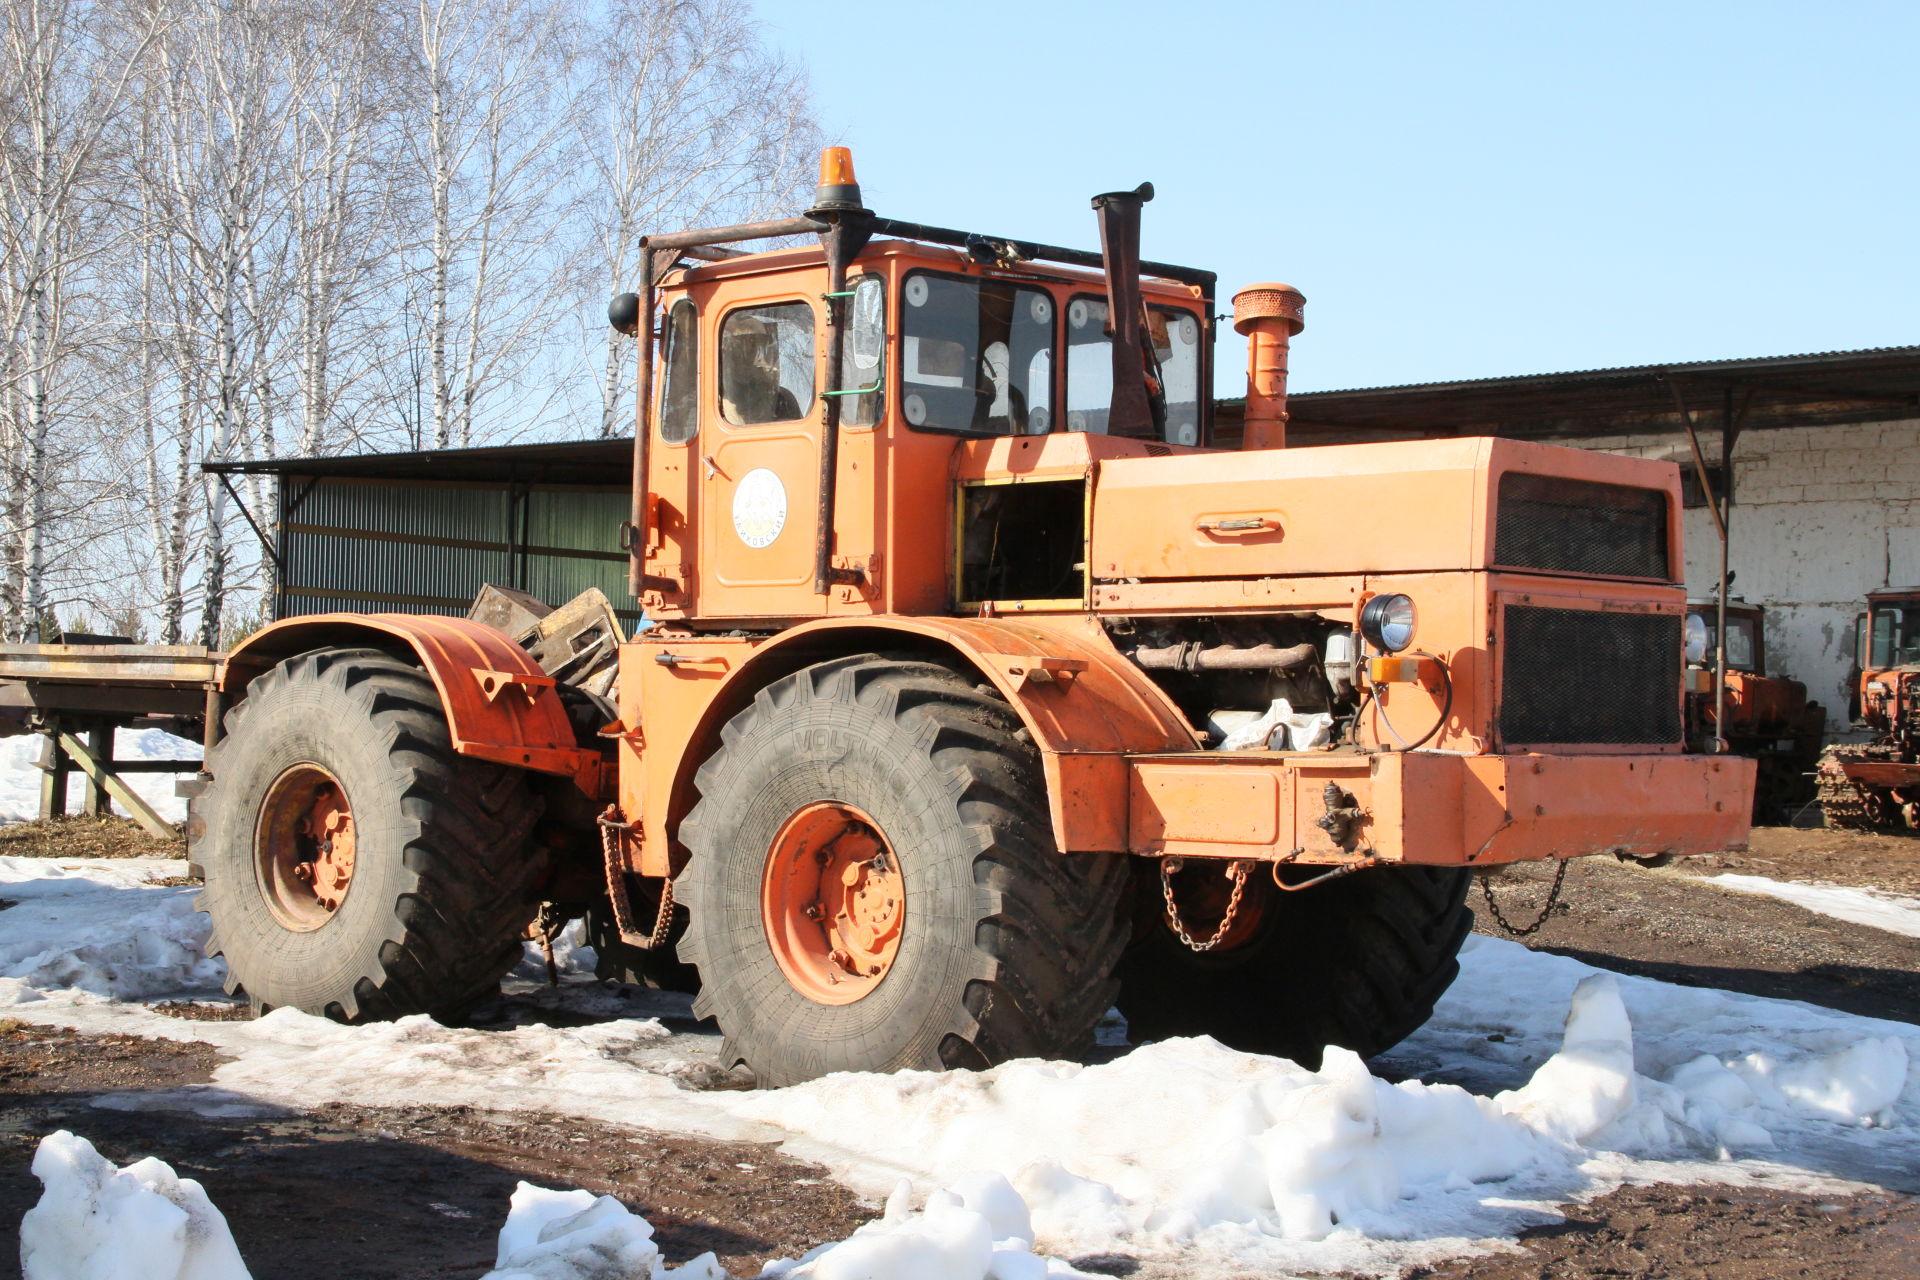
499	704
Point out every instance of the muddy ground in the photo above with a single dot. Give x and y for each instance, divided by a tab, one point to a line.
354	1193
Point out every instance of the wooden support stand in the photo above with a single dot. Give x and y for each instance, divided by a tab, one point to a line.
77	695
65	754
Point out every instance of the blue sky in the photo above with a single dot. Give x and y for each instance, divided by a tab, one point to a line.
1460	190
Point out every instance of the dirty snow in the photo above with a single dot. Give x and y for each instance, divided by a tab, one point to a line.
98	1222
20	781
97	926
1540	1079
1876	908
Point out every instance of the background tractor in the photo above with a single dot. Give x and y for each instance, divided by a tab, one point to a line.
1875	785
981	691
1767	717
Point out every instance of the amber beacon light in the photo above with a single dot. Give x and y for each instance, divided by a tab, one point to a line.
838	188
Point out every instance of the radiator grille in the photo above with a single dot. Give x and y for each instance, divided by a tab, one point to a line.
1581	675
1578	526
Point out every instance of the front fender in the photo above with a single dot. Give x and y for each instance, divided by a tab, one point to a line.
499	704
1084	703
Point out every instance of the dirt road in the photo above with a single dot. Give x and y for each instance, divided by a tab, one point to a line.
351	1192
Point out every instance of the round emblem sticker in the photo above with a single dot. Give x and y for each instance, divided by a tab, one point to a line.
759	507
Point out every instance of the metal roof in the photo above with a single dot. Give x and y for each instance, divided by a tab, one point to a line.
567	462
1815	389
1878	384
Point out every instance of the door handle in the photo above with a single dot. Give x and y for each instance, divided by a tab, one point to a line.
1238	524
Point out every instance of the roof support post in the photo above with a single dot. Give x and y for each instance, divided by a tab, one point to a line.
1730	424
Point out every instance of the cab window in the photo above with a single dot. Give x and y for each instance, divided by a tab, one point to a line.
1743	640
862	355
679	418
1175	335
976	356
1896	636
1740	644
766	364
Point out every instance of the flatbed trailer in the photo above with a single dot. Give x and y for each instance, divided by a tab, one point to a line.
76	695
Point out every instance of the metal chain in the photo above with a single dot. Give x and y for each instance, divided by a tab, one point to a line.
1553	899
1237	870
623	921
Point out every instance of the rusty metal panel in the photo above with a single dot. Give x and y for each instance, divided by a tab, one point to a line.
182	664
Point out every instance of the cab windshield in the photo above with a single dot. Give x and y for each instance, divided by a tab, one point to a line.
1175	335
1896	636
1742	646
977	356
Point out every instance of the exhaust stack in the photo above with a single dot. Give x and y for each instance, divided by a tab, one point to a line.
1269	316
1138	407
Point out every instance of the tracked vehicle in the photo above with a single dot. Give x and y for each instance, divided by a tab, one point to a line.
1875	785
981	688
1766	717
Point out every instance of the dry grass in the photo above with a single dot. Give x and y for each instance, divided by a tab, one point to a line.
78	837
204	1011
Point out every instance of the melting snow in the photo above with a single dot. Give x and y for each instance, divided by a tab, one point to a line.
1894	912
1539	1079
98	1222
20	781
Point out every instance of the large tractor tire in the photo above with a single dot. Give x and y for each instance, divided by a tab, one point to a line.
873	884
1357	962
356	866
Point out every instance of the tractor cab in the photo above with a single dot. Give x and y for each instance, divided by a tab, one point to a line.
941	353
1767	718
1746	633
1889	655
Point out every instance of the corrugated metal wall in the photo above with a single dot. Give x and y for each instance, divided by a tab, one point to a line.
361	546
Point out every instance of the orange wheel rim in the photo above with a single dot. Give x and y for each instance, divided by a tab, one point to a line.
304	847
832	902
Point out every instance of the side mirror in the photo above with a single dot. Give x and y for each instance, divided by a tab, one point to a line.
623	313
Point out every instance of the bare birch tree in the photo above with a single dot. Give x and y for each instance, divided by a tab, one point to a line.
271	227
666	143
63	85
496	151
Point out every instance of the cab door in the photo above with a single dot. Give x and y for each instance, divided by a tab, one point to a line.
759	469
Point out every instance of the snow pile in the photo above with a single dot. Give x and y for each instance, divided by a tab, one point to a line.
977	1229
1188	1146
1538	1079
20	781
98	926
1876	908
575	1235
571	955
98	1222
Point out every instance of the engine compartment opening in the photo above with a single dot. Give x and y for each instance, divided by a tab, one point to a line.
1024	541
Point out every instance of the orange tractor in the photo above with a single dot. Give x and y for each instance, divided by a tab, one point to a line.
980	692
1875	786
1766	717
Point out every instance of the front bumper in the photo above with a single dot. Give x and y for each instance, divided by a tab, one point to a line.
1434	808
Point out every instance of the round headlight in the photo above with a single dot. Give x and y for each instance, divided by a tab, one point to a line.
1696	638
1387	622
